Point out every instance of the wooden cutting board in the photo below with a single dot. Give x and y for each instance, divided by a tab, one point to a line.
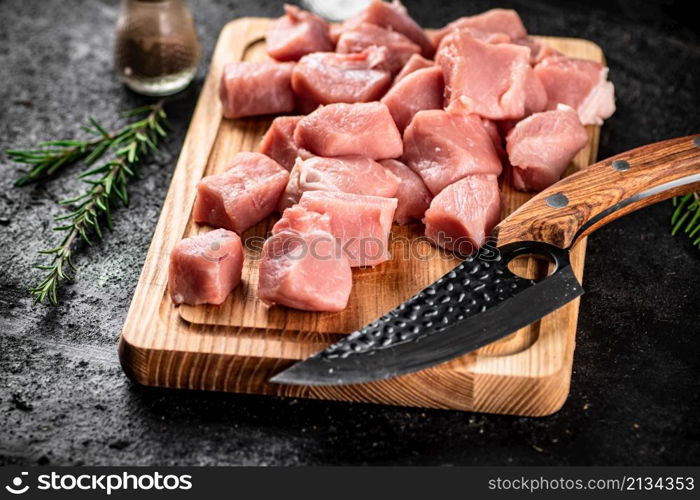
237	346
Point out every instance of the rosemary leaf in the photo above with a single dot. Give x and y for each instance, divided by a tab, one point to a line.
686	217
48	157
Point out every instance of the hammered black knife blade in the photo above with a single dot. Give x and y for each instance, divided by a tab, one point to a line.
481	300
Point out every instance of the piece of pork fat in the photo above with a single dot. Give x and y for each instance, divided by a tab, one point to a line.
541	146
464	214
278	142
327	77
296	34
363	129
205	268
360	223
256	88
399	48
243	195
415	63
503	21
495	81
306	271
349	174
413	197
422	89
442	147
393	16
578	83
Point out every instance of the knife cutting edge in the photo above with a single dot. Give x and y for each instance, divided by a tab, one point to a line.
481	300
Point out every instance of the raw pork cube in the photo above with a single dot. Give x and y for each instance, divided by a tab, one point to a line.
360	223
541	146
363	129
243	195
578	83
495	81
442	147
296	34
300	220
205	268
413	197
392	16
503	21
256	88
415	63
538	50
327	77
278	142
420	90
464	214
482	36
305	271
399	48
348	174
535	94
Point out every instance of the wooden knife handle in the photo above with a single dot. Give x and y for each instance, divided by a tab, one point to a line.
589	199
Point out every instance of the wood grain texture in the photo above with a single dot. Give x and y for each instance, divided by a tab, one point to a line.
602	193
237	346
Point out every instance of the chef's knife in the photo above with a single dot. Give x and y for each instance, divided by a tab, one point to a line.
481	300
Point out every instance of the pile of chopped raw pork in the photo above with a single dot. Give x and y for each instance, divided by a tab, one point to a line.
388	124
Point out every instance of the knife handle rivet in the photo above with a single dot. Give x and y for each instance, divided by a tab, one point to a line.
557	200
696	142
620	165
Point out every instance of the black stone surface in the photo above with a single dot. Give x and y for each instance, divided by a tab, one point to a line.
64	399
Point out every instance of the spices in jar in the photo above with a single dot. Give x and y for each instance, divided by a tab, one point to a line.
157	51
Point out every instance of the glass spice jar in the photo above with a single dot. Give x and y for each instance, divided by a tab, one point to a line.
157	51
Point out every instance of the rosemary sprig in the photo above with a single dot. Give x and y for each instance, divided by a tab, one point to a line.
686	216
108	186
48	157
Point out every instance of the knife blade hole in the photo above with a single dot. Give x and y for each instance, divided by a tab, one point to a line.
531	266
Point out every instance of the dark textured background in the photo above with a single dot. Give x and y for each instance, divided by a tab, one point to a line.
64	399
